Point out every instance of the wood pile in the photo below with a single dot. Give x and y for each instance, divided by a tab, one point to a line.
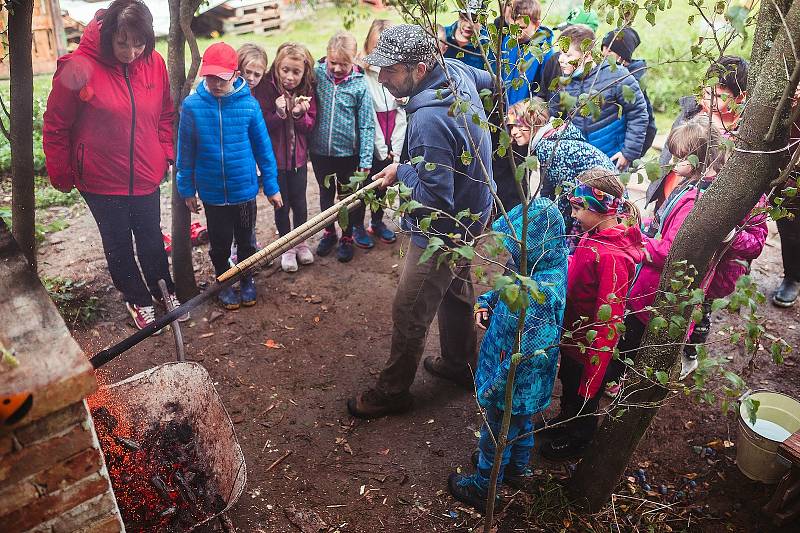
237	17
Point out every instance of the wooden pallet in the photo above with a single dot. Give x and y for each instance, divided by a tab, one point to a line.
258	24
231	10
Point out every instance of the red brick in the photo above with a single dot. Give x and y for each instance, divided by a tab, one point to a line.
50	506
70	471
111	524
17	496
51	424
86	515
45	454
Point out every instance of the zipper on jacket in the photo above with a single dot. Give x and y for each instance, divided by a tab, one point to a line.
133	128
333	110
79	156
222	154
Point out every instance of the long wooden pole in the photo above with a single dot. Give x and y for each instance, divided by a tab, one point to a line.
231	276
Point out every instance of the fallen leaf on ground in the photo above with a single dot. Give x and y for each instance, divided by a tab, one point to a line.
305	520
270	343
206	335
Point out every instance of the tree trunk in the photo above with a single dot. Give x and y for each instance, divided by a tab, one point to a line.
23	206
182	268
745	177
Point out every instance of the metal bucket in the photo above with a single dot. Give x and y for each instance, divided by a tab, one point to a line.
778	417
152	395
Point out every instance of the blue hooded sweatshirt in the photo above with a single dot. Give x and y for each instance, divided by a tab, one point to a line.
219	142
547	266
611	131
522	63
446	179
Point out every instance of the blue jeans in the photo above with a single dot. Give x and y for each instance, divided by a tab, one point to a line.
517	454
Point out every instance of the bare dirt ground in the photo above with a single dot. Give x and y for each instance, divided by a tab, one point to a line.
330	324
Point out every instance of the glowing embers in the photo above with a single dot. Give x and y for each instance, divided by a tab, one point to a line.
159	481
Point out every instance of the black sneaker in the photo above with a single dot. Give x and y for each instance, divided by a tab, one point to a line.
563	448
437	366
375	404
326	244
553	426
786	294
344	252
464	489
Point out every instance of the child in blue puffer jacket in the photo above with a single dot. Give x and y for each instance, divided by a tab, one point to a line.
620	136
533	384
221	136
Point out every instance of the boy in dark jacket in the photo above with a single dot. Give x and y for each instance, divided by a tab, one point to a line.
619	136
621	44
221	136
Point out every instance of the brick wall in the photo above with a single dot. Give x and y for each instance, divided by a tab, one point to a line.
53	479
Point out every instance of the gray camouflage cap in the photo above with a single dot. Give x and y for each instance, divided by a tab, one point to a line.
404	43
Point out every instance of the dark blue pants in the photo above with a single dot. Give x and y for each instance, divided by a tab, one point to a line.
293	191
227	223
516	454
120	219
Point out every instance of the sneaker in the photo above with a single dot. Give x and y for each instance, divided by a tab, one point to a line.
304	255
688	365
464	489
326	244
562	448
375	404
229	298
437	366
173	300
344	252
198	234
362	238
247	291
512	476
289	261
786	294
383	233
143	315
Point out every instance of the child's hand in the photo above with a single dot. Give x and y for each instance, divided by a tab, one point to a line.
276	200
192	204
482	318
280	106
300	108
619	160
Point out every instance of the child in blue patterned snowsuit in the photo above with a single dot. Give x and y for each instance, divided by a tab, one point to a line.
533	383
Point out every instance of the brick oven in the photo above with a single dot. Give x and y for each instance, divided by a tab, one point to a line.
52	475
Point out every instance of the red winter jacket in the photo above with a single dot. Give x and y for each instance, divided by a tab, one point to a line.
108	126
599	273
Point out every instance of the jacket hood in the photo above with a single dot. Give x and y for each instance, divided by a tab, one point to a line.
638	67
240	90
436	90
546	248
90	43
624	240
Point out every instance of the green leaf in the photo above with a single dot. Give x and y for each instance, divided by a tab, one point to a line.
657	323
430	167
466	158
591	335
751	406
604	313
628	95
434	244
693	160
734	378
653	170
662	377
417	159
344	217
777	353
468	252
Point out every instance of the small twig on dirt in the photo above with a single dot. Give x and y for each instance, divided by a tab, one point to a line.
277	461
270	408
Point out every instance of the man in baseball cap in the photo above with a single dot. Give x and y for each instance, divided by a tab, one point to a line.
442	180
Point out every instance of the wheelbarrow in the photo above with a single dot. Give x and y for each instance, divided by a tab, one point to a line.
185	389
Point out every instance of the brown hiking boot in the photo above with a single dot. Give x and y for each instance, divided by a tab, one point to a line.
441	368
375	404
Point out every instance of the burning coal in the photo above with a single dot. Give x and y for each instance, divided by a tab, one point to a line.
160	482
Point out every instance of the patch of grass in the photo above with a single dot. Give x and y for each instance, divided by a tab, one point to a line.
48	196
41	230
73	299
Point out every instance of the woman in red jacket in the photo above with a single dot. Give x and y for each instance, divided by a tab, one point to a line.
599	277
108	132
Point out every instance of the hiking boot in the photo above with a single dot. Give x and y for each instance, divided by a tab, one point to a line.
289	261
361	238
142	315
563	448
304	255
786	294
344	252
688	365
247	291
173	300
464	489
326	244
383	233
375	404
437	366
229	298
